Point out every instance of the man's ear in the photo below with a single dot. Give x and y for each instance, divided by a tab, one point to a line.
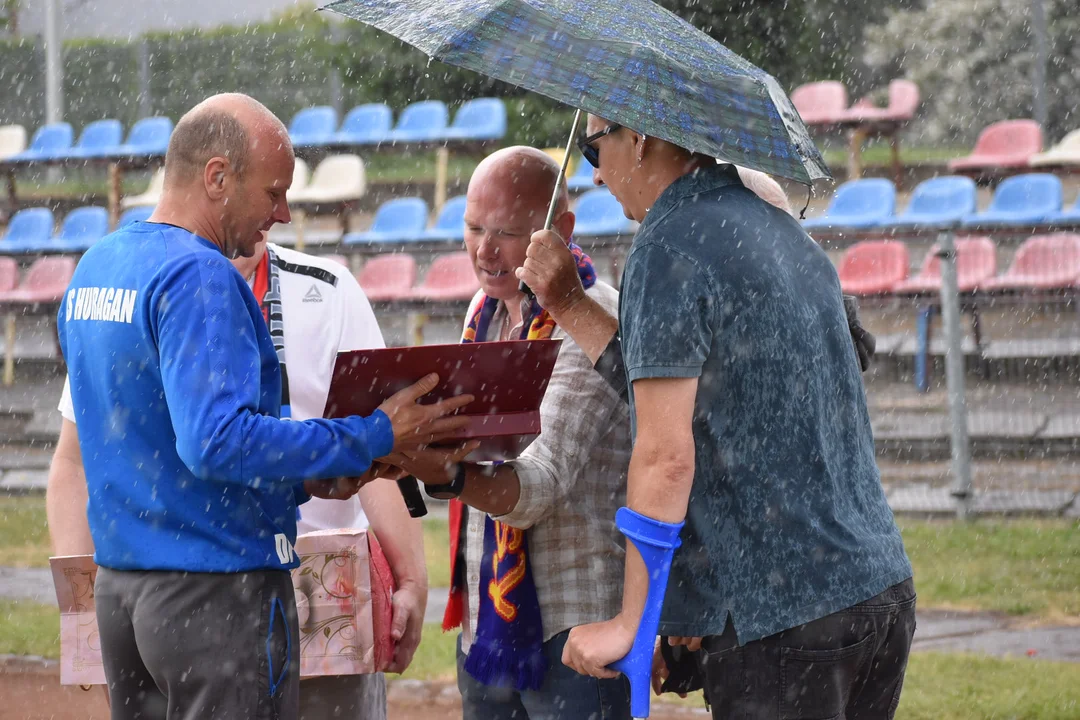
215	177
564	225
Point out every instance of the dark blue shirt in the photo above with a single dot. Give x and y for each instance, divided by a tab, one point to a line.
787	520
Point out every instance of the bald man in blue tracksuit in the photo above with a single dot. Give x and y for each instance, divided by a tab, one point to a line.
193	480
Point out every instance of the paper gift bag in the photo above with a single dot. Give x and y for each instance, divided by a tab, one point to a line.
343	599
80	660
343	590
508	380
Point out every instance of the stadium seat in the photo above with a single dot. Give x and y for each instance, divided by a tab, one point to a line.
135	214
313	126
98	139
1006	144
152	194
1068	215
873	267
81	228
401	219
49	142
301	176
599	214
365	125
12	141
821	103
936	202
338	178
582	178
451	277
858	204
388	277
1021	200
903	101
450	225
479	119
45	282
27	229
9	274
423	121
1065	153
1043	262
148	137
976	263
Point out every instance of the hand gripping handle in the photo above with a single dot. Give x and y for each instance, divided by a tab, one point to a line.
656	541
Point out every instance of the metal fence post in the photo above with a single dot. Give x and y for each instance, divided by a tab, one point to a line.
954	374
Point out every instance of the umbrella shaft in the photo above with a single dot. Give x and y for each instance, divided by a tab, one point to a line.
562	171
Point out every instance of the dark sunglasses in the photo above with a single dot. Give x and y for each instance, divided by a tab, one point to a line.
591	152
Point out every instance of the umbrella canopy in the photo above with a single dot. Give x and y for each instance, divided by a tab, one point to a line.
628	61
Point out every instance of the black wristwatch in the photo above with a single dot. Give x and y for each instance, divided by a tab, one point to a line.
451	490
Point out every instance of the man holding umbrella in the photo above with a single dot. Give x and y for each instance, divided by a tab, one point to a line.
751	423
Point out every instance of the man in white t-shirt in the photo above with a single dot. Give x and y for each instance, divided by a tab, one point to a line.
315	309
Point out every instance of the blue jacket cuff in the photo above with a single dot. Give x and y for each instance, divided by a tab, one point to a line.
382	434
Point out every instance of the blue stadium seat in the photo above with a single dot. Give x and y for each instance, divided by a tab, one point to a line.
135	214
599	214
936	202
479	119
49	142
365	125
28	228
313	126
421	122
582	179
1021	200
858	204
450	225
98	139
81	228
401	219
148	137
1068	215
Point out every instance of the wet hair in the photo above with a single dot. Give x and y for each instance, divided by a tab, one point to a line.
202	134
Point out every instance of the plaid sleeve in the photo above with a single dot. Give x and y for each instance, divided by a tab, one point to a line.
574	415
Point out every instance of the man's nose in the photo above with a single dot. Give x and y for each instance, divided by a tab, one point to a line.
281	212
596	177
488	247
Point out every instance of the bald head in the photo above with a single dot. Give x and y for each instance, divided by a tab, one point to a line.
231	126
523	176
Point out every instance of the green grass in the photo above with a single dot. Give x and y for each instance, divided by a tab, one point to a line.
1019	567
398	168
437	552
879	154
24	535
436	657
27	628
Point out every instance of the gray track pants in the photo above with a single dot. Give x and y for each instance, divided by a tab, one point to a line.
199	646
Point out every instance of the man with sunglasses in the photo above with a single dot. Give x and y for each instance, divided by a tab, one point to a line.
792	585
553	508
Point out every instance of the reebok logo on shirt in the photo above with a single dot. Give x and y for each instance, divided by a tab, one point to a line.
313	295
100	303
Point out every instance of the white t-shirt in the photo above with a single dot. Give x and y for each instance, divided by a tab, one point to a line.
325	312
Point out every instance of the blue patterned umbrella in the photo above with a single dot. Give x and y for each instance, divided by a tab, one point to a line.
629	61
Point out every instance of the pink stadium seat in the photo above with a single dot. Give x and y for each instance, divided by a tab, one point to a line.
976	263
9	274
45	282
821	103
873	267
1006	144
451	277
903	101
1043	262
388	277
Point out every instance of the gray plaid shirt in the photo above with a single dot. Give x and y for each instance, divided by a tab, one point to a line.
573	479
